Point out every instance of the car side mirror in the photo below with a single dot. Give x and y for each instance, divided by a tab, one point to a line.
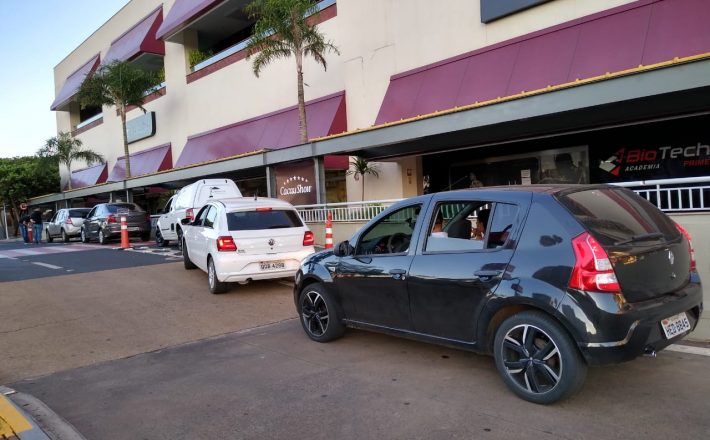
186	221
343	249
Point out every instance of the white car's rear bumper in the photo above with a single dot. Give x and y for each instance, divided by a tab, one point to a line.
232	267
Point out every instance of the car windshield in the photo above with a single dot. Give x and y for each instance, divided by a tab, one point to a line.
254	220
78	213
115	207
617	216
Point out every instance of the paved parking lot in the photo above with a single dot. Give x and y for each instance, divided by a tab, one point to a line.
144	351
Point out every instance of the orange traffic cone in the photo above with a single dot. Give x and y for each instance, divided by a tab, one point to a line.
125	244
329	231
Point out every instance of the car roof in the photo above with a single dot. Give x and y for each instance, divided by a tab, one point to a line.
237	203
539	188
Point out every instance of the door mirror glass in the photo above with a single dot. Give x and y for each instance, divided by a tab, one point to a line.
343	249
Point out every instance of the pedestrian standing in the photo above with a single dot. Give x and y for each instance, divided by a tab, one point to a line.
24	224
36	219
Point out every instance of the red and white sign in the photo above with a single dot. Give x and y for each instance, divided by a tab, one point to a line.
23	206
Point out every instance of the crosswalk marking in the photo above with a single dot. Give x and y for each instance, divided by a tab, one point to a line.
46	250
48	266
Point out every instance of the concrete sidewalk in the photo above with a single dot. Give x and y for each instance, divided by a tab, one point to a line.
23	417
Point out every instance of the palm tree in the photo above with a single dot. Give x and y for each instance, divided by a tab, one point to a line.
118	84
282	29
66	149
359	167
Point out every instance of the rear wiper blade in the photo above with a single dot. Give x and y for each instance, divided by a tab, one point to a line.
641	237
279	226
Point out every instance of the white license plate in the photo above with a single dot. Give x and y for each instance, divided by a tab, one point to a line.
675	325
271	265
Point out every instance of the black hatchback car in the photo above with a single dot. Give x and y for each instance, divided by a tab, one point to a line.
103	222
547	279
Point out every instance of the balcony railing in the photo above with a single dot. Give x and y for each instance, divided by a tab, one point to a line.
243	44
344	212
690	194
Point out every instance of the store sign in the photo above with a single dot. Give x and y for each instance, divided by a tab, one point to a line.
494	9
141	127
295	183
668	161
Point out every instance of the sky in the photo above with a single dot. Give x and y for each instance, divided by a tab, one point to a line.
35	35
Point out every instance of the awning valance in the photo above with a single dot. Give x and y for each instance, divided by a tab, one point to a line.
138	39
640	33
325	116
89	176
149	161
73	82
181	13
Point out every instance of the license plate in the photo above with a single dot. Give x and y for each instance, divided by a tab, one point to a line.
675	325
133	228
271	265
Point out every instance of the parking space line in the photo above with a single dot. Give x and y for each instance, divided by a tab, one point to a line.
689	349
48	266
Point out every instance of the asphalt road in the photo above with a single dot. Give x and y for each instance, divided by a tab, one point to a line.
135	347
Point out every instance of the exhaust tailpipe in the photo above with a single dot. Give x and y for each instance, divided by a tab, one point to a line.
649	352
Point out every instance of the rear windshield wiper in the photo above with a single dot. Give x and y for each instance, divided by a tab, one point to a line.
279	226
640	237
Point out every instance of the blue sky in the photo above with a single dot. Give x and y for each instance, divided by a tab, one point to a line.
35	35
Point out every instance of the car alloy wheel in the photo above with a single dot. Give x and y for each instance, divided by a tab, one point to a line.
65	237
102	237
189	265
83	236
49	237
216	286
320	316
537	359
159	239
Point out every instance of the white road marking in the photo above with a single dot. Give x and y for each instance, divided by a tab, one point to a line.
48	266
689	349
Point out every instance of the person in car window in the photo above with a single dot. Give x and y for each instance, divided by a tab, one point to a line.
438	229
481	222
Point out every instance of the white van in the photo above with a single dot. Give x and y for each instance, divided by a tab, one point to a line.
185	204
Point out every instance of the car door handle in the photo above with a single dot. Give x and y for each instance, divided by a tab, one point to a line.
487	273
398	274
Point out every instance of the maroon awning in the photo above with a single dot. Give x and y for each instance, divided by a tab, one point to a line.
149	161
88	176
138	39
275	130
73	82
640	33
333	163
182	12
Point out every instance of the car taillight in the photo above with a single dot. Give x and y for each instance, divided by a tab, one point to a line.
190	214
226	244
308	238
592	271
263	208
111	219
68	221
686	234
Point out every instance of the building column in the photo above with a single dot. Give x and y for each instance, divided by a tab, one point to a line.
320	179
271	183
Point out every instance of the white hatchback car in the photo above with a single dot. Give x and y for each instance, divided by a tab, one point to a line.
244	239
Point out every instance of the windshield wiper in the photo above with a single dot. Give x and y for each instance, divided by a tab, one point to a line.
279	226
640	237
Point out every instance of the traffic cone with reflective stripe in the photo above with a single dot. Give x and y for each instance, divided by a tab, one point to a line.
329	231
125	244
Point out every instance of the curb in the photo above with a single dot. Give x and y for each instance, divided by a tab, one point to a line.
30	419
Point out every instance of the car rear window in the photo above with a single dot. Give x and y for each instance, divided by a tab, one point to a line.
253	220
615	215
78	213
115	207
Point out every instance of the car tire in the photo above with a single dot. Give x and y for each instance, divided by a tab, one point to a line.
320	315
102	237
180	241
537	358
159	240
216	286
189	265
65	237
84	237
50	239
145	236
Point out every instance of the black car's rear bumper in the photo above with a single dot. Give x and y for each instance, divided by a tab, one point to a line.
617	332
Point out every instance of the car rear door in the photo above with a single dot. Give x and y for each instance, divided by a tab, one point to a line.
451	276
649	254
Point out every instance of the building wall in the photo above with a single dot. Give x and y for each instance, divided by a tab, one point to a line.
377	38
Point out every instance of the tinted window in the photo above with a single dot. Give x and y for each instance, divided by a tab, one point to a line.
115	207
502	224
391	234
253	220
78	213
199	220
615	214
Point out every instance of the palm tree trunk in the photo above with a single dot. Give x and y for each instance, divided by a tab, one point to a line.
362	176
302	125
122	111
68	164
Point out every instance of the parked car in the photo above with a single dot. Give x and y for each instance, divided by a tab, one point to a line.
564	277
66	223
103	222
243	239
185	204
